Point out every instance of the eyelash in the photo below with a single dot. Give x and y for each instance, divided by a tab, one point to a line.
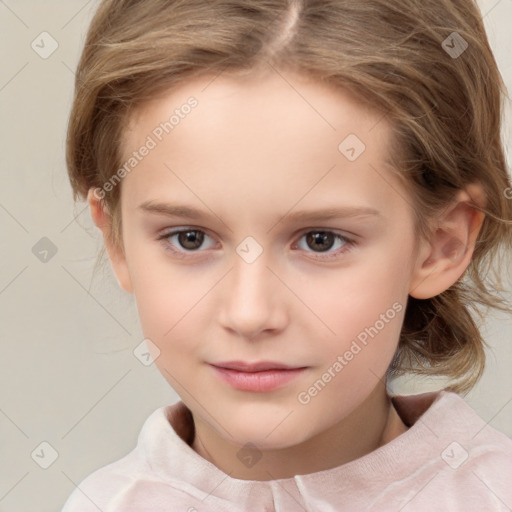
164	238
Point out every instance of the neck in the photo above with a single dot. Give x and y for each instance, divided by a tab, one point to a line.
372	424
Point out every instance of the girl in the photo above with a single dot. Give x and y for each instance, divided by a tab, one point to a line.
304	197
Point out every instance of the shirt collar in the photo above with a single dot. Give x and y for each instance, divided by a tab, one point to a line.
167	434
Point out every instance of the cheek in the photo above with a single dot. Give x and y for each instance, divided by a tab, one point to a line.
168	318
163	294
361	310
172	302
164	313
347	300
354	359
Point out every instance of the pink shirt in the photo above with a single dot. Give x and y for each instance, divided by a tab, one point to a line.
448	460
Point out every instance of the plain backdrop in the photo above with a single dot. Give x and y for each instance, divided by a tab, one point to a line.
73	394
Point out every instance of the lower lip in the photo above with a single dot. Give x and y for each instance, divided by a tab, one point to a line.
258	382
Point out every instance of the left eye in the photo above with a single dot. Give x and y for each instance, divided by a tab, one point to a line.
190	240
325	240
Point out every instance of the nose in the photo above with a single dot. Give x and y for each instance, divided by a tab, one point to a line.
253	299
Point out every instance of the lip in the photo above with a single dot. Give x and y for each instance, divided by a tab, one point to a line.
257	377
259	366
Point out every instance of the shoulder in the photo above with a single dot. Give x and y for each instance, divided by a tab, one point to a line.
456	418
464	461
479	457
137	473
96	491
447	414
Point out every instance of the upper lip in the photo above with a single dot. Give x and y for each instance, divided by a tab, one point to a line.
254	367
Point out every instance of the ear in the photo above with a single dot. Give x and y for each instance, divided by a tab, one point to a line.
103	221
443	259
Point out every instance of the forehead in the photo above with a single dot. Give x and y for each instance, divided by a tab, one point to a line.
278	135
229	100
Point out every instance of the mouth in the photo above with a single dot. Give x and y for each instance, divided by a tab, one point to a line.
257	377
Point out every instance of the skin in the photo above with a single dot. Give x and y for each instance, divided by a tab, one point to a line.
254	150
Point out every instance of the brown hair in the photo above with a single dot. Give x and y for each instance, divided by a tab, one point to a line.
444	107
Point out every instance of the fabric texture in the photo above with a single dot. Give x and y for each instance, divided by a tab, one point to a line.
448	460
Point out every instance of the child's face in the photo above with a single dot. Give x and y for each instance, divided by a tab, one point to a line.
249	156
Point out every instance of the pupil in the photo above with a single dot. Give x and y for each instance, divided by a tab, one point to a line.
190	239
320	239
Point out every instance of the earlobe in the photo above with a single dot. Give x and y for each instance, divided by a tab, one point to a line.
445	257
102	219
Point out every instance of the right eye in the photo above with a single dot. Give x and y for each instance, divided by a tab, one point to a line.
189	239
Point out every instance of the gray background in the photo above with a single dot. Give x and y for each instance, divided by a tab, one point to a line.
68	373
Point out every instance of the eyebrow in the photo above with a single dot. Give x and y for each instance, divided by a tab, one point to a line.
184	211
